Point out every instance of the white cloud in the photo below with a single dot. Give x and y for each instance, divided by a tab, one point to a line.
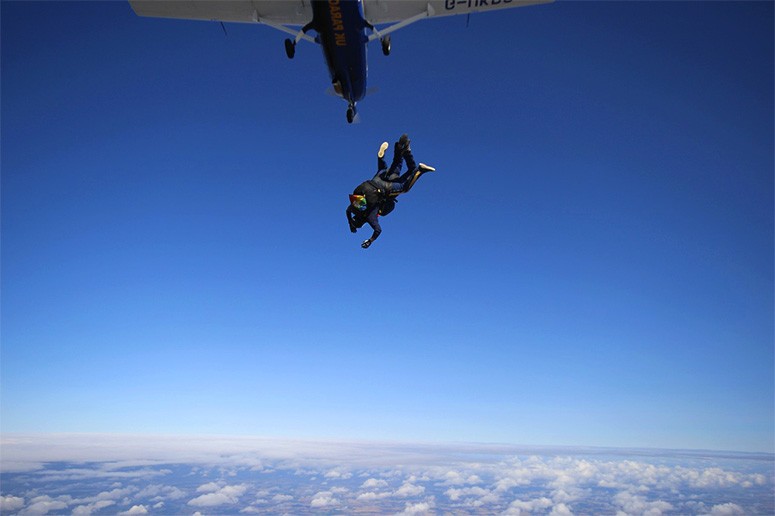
566	474
11	503
44	504
99	472
519	507
561	510
211	500
135	510
568	495
338	474
280	498
504	484
87	510
455	478
371	496
112	495
222	496
374	483
408	489
455	494
712	477
418	508
210	487
160	492
637	504
324	499
727	509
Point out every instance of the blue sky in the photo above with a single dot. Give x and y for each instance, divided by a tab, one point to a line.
592	263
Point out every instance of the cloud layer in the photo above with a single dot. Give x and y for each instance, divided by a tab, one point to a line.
144	475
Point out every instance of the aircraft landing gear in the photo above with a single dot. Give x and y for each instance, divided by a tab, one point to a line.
386	45
290	44
351	113
290	48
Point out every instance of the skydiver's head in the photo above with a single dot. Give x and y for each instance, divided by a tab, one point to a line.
358	202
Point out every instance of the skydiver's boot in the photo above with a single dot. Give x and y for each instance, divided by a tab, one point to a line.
403	142
412	176
381	165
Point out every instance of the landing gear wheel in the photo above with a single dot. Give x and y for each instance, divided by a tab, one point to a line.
350	115
290	48
386	45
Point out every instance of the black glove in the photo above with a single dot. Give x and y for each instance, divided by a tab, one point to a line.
366	244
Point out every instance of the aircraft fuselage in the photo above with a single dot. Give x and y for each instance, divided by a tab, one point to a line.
342	32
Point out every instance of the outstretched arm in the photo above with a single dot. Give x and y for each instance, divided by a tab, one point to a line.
373	221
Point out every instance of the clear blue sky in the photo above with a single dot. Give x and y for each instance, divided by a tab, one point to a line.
592	263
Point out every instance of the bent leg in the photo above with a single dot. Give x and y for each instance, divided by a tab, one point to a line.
410	178
392	173
381	165
409	158
388	187
405	182
395	167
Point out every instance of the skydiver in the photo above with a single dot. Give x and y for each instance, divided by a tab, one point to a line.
377	196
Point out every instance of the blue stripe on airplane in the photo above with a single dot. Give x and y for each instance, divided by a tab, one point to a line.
342	30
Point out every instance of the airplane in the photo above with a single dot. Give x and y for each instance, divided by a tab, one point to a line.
343	27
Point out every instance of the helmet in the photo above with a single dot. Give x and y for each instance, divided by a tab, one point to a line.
358	202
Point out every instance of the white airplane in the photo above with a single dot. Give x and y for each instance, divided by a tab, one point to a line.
343	27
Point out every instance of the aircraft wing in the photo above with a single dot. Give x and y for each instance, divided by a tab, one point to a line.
271	12
397	11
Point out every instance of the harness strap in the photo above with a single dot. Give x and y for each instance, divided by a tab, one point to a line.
374	185
383	195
